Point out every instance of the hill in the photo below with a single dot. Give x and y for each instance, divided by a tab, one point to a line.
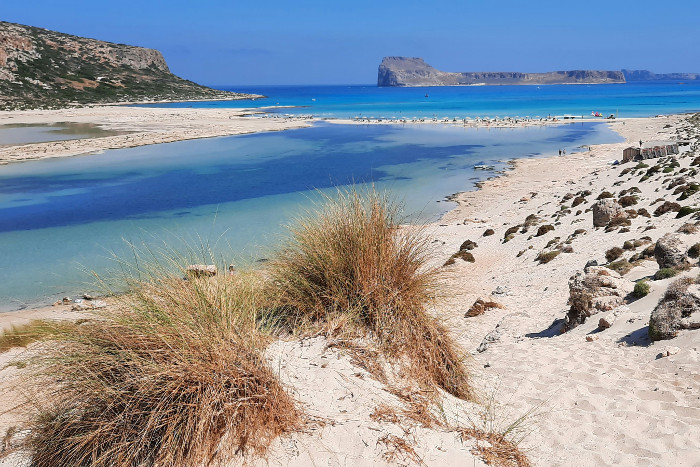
40	68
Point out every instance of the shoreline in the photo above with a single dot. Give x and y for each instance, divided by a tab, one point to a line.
606	388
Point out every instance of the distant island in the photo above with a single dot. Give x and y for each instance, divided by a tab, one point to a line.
40	68
405	71
646	75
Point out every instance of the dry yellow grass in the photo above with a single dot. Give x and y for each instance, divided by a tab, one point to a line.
175	377
349	258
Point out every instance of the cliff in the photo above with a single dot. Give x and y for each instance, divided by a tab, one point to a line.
47	69
646	75
404	71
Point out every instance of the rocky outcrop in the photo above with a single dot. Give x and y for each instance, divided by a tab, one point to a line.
678	309
604	210
413	71
593	290
669	251
47	69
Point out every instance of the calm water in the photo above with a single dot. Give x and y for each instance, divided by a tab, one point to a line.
40	133
636	99
60	217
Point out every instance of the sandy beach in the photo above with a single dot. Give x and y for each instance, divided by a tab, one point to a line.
141	126
595	396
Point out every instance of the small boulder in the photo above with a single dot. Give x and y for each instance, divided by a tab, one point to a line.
679	307
604	210
201	270
669	251
593	290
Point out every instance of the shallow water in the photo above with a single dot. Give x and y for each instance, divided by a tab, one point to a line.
62	217
13	134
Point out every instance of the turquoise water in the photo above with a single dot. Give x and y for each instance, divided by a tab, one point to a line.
635	99
60	218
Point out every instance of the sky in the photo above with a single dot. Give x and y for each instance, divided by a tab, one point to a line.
269	42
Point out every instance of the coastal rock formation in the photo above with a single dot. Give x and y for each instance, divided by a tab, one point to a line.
604	210
669	251
47	69
593	290
407	71
677	309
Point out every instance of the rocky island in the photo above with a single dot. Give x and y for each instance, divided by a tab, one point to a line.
405	71
47	69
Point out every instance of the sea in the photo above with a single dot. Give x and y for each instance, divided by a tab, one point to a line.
75	225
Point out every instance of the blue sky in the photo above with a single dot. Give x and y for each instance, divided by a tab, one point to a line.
220	42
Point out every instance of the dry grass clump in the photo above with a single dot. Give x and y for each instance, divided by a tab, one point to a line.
348	259
495	449
543	229
480	306
33	331
488	232
175	377
545	257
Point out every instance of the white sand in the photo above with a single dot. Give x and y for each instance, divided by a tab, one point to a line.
146	125
606	402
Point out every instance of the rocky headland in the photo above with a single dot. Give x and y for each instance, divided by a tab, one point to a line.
40	68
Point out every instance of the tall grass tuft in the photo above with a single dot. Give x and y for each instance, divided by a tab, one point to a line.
176	376
347	260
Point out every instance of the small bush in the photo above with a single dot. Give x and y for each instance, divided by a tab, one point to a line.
667	206
605	194
627	201
543	229
641	165
488	232
468	245
685	211
688	228
613	253
546	257
694	251
641	289
512	230
622	266
461	254
616	222
628	245
664	273
643	212
689	191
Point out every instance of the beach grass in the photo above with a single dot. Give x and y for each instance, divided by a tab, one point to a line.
346	260
175	376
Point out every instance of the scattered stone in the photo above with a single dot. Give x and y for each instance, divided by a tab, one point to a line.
97	304
66	300
88	297
609	319
604	210
81	306
668	351
201	270
501	290
591	338
669	251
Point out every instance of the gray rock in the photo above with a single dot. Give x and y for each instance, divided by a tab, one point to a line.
679	307
593	290
669	251
501	290
604	210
